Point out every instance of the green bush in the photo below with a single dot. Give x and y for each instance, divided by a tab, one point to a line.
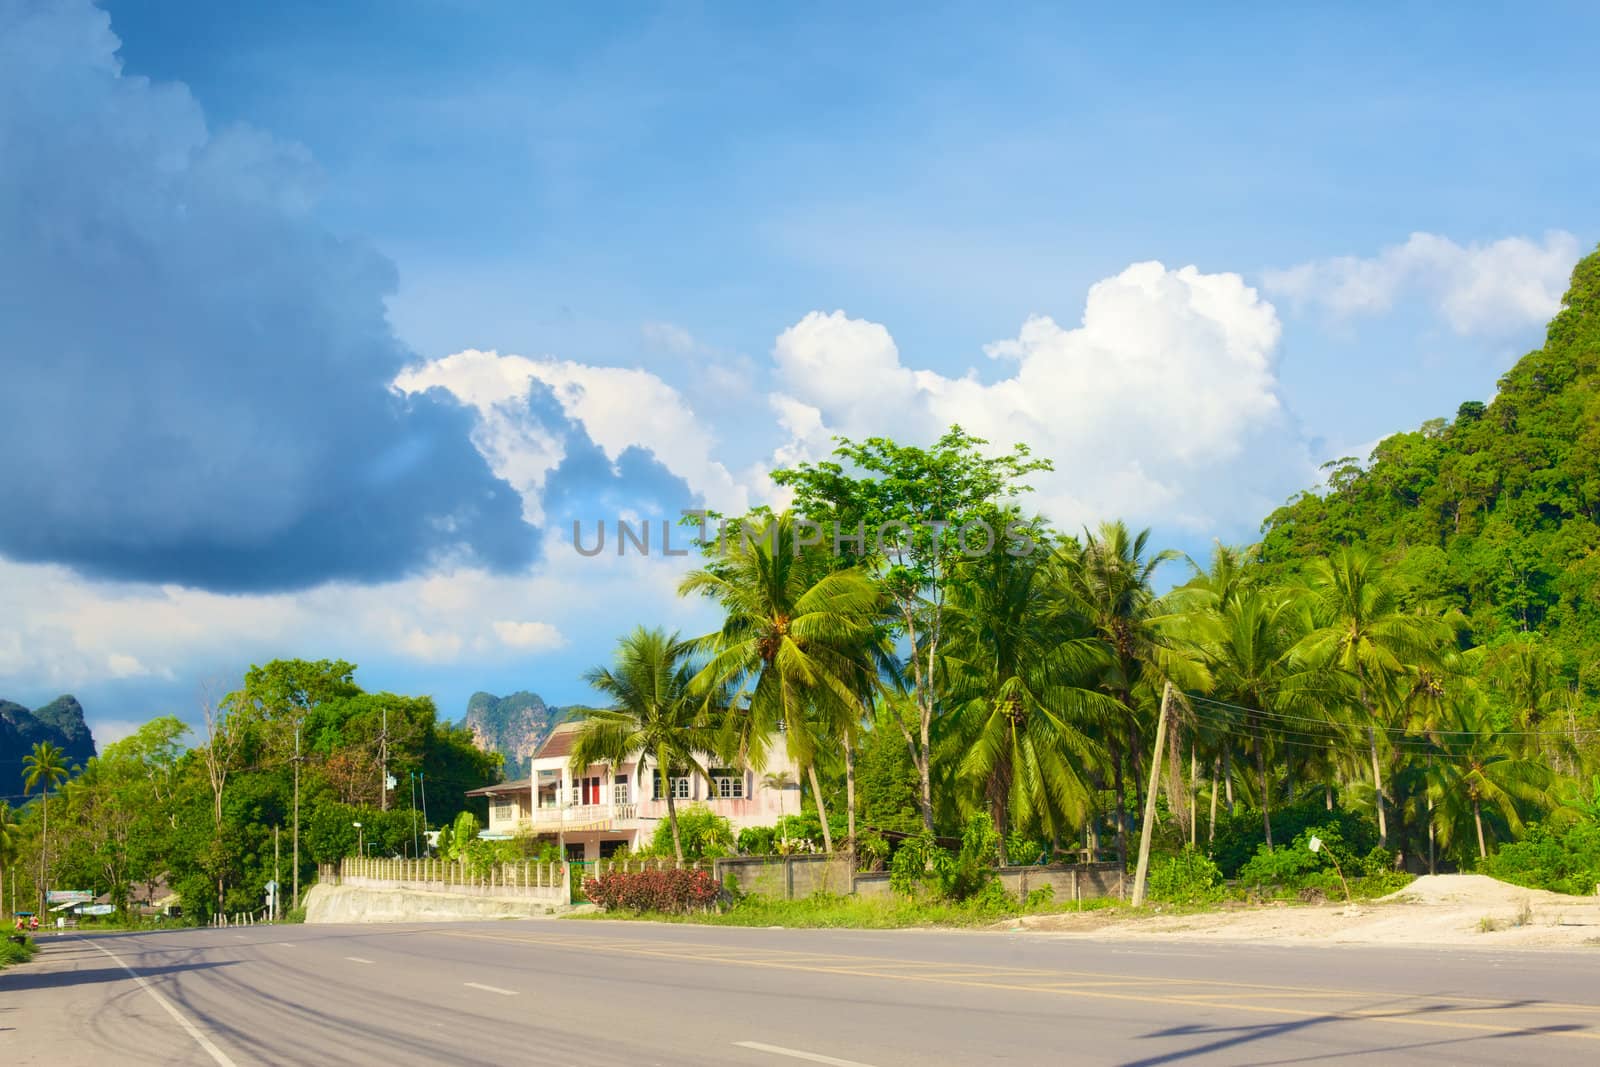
756	841
705	834
1241	836
872	851
1189	877
1566	862
1295	868
11	952
920	865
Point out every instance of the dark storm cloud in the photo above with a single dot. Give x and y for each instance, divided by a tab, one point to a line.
194	373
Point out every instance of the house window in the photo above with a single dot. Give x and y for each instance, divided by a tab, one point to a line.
726	784
503	809
619	790
680	788
586	790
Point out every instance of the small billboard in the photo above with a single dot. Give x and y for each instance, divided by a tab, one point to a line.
68	896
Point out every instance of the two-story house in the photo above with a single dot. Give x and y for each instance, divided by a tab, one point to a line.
606	807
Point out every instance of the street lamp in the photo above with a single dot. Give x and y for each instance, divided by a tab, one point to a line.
359	850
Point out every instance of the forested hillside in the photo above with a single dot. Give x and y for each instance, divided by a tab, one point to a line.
1495	512
59	722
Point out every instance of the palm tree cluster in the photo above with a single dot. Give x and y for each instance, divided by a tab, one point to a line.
1327	685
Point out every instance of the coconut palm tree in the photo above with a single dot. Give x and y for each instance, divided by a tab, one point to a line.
794	644
45	765
652	713
1362	629
779	781
10	845
1021	664
1477	770
1111	576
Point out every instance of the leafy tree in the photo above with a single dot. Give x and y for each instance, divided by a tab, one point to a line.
1021	664
653	713
795	642
44	766
910	509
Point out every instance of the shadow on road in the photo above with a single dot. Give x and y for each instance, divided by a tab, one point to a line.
12	981
1222	1038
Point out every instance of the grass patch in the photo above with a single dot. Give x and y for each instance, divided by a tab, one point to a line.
11	952
859	913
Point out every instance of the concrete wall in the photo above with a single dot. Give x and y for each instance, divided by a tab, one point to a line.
542	882
1086	881
791	877
370	904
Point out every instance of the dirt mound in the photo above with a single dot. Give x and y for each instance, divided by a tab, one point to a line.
1475	889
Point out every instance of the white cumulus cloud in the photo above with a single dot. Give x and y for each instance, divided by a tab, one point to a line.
1145	407
1492	288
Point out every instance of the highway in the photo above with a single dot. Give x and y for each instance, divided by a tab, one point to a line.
604	993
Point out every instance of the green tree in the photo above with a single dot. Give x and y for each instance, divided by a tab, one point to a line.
1021	665
1111	575
1477	770
10	847
913	511
1362	630
793	650
652	712
44	766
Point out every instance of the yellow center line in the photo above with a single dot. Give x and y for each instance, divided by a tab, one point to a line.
852	966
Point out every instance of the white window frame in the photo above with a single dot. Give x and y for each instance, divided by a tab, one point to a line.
680	788
728	786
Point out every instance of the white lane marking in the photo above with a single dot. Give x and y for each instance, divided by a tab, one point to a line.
286	944
357	959
241	937
799	1054
200	1039
491	989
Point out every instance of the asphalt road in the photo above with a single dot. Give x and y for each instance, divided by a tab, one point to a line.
602	993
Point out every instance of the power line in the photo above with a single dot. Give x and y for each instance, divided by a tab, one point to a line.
1392	730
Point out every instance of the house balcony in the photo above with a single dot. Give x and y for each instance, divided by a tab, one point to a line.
569	818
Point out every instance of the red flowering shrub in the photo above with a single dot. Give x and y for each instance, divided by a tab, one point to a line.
669	891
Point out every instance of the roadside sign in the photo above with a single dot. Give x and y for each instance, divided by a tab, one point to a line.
97	909
68	896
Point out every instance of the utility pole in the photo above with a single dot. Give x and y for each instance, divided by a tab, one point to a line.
416	848
294	900
277	875
1143	868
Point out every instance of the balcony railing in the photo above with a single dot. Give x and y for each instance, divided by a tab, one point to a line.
579	815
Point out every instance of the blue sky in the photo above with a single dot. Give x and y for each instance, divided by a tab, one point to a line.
257	271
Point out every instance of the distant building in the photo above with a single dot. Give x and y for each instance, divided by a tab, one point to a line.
604	808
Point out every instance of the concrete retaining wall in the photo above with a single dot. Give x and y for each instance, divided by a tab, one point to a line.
1085	881
369	904
795	877
789	877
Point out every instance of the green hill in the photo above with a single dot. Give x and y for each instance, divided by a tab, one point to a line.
60	722
513	725
1496	511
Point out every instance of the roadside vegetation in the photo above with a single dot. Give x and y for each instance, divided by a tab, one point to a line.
1403	670
13	952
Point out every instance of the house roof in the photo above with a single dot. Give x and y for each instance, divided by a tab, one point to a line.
559	743
521	785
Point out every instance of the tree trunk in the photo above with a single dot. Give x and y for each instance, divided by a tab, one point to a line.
672	817
1194	795
1227	775
1121	813
1261	773
44	846
822	812
850	800
1477	817
1431	868
1377	788
1211	825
